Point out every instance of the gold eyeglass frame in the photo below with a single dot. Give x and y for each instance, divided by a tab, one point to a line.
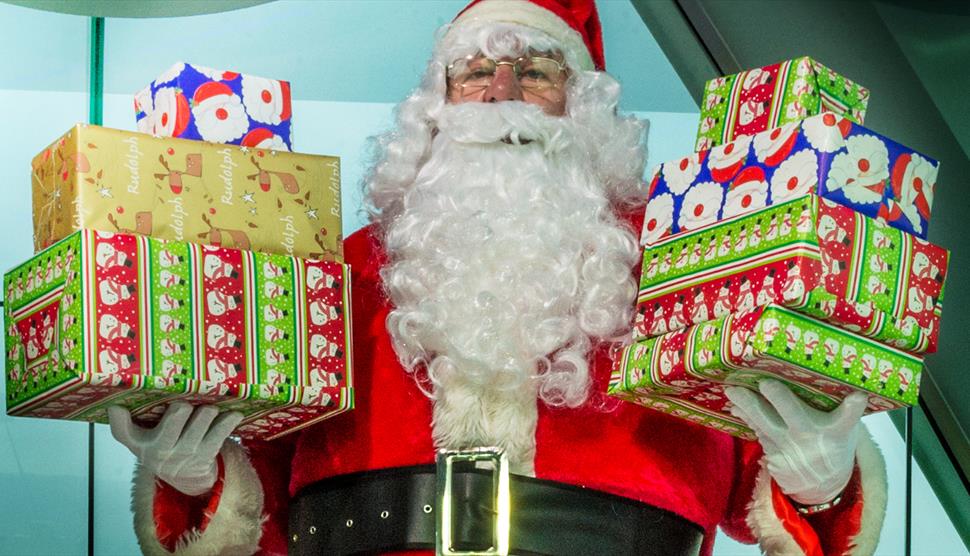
514	64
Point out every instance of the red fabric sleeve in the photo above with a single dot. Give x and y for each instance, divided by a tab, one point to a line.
272	463
632	218
747	466
828	532
837	526
794	523
176	513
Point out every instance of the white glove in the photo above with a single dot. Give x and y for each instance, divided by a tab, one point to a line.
181	450
810	453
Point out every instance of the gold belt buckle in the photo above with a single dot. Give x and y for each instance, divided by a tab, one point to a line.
500	492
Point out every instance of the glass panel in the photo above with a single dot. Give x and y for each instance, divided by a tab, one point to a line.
934	532
43	90
114	534
892	540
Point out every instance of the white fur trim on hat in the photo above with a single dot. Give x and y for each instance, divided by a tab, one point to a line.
775	540
234	528
526	13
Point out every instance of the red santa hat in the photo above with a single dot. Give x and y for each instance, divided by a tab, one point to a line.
209	90
751	174
574	24
256	137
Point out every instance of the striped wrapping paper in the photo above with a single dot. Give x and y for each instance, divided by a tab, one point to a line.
684	373
762	98
105	318
810	254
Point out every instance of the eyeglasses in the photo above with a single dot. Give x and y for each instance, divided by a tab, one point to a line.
473	74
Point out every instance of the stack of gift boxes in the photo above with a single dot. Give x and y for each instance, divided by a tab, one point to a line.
199	260
791	245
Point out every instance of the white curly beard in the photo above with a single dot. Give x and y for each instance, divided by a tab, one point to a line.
506	262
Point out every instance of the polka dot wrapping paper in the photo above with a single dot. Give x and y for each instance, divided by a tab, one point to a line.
104	318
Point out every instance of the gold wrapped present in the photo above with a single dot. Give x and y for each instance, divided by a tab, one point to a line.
232	196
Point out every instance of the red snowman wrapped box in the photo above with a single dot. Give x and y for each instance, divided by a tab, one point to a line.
759	99
825	154
196	102
105	318
684	372
809	254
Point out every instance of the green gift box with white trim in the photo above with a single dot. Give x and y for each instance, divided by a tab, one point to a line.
810	254
684	372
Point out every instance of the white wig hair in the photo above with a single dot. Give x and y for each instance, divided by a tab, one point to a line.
507	261
616	142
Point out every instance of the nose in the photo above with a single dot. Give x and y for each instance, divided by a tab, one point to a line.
504	86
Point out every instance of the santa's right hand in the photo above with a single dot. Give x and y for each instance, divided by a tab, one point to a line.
181	450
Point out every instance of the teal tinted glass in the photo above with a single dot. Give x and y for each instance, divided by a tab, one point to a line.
43	91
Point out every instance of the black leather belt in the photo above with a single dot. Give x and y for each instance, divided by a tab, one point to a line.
394	509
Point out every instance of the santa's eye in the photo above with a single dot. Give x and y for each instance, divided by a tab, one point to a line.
534	74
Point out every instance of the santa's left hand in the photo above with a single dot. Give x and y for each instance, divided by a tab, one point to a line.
810	453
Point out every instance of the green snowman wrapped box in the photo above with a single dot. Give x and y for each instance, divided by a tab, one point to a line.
104	318
684	372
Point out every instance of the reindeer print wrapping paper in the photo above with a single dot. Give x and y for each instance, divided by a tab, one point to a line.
759	99
180	190
105	318
196	102
684	373
809	254
825	154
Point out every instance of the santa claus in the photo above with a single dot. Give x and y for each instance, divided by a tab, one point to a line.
495	275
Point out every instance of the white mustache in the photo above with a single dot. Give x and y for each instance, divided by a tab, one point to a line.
512	122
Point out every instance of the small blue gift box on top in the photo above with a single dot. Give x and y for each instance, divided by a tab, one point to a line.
195	102
825	154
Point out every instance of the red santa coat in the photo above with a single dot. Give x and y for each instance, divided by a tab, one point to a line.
703	475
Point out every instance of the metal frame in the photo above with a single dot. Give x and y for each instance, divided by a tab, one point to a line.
95	116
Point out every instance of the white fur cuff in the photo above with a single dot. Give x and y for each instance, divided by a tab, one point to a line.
776	540
233	529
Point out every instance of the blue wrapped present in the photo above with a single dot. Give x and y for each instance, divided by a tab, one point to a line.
825	154
195	102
